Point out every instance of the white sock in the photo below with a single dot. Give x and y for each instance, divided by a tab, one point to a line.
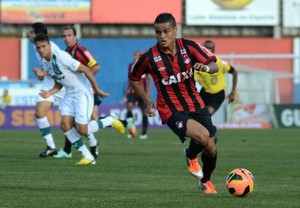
107	121
49	141
73	136
85	152
92	140
43	123
92	127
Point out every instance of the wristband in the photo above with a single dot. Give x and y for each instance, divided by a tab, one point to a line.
207	68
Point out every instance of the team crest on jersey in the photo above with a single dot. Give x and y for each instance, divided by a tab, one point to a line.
157	58
183	52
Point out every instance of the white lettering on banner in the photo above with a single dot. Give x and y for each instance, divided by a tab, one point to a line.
290	117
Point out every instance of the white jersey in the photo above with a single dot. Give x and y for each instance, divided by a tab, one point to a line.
78	100
48	82
62	68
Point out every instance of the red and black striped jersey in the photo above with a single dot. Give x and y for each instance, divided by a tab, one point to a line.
82	55
144	81
173	76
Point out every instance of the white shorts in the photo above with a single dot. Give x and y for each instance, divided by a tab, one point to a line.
48	84
79	106
56	98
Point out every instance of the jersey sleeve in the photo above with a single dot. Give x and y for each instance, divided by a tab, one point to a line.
224	65
139	68
68	61
200	53
86	57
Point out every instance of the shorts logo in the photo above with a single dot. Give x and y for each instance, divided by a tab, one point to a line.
179	124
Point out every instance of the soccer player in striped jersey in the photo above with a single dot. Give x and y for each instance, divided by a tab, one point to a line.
172	62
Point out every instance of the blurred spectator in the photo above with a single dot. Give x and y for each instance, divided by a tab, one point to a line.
5	99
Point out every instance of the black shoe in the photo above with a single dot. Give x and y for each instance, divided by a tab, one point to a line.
48	152
95	150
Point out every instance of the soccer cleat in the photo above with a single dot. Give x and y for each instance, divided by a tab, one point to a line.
143	136
95	150
131	127
85	161
48	152
193	166
129	136
117	124
207	187
62	154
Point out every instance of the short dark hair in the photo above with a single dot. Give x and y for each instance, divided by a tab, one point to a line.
39	27
164	18
41	37
71	27
209	44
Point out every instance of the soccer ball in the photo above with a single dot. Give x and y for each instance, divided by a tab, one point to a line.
232	4
240	182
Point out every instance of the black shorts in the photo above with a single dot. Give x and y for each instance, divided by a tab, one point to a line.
177	122
137	100
97	100
213	100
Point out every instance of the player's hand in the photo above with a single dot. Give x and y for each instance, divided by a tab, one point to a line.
45	93
150	109
39	73
201	67
231	97
102	94
124	100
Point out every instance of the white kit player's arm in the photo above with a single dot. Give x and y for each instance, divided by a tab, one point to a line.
55	89
90	76
39	73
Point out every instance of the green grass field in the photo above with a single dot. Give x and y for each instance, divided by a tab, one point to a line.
148	173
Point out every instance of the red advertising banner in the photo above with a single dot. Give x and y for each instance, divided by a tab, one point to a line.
48	11
134	11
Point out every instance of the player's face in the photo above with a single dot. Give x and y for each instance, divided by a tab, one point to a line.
165	34
69	38
44	49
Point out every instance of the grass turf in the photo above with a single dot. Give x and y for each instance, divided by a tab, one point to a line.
148	173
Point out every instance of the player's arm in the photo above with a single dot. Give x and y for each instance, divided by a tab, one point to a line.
90	76
148	84
140	91
39	73
211	67
234	73
95	69
45	94
141	67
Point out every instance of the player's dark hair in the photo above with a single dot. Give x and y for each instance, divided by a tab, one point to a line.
209	44
164	18
71	27
41	37
39	27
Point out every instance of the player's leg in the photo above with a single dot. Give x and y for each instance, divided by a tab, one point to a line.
77	110
131	98
145	122
75	138
41	109
93	142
